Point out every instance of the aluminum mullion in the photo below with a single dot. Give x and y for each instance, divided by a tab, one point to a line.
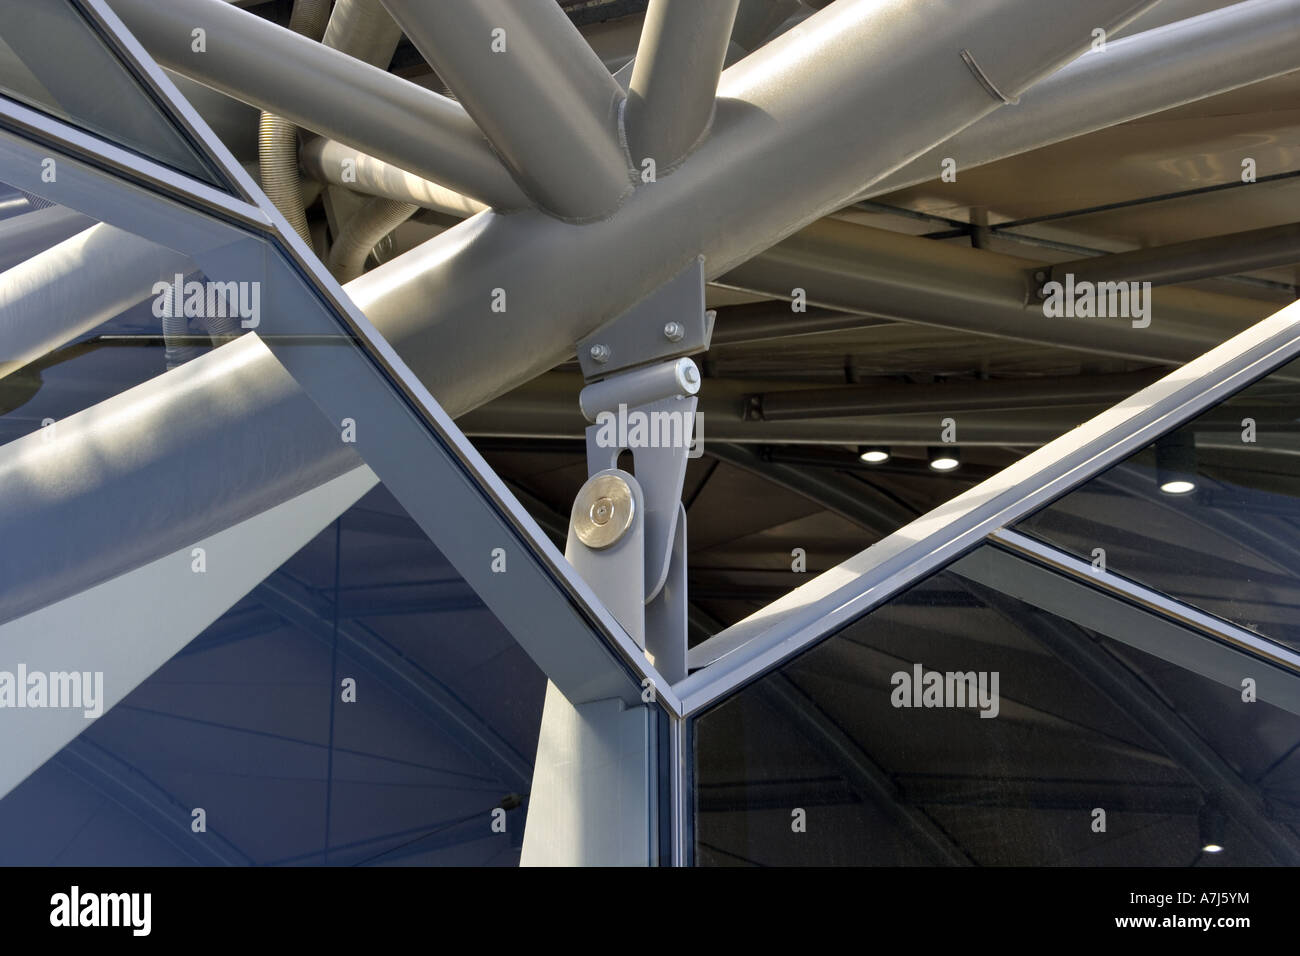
267	221
790	625
136	59
34	126
1148	599
679	766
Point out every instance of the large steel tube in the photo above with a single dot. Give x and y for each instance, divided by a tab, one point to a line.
801	125
1141	75
546	408
25	235
1188	261
51	298
1133	77
332	162
538	92
325	91
112	487
841	265
675	77
363	29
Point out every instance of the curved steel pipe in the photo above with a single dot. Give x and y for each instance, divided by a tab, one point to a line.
368	225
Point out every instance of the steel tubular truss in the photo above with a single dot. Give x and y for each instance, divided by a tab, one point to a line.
593	249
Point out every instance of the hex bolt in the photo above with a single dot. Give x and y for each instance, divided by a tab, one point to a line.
600	353
674	332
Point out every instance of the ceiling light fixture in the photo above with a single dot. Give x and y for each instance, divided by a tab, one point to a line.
1212	823
1176	463
944	457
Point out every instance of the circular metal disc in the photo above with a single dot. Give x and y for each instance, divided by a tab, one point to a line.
603	511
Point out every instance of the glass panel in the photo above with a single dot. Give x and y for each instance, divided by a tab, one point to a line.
255	722
852	753
52	60
183	420
1209	514
89	309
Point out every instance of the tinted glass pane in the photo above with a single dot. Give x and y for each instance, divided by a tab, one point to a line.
51	59
264	634
255	722
843	756
1210	514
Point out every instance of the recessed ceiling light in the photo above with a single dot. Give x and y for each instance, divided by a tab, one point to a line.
1176	463
944	457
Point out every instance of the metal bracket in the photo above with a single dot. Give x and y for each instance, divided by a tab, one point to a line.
613	564
627	533
662	472
668	323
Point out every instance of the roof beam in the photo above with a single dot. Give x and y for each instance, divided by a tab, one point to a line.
762	321
1133	77
842	265
538	91
670	101
1188	261
907	414
547	408
325	91
801	124
1006	394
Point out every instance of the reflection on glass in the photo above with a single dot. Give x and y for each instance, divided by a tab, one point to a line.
89	309
51	60
360	706
1209	514
941	729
